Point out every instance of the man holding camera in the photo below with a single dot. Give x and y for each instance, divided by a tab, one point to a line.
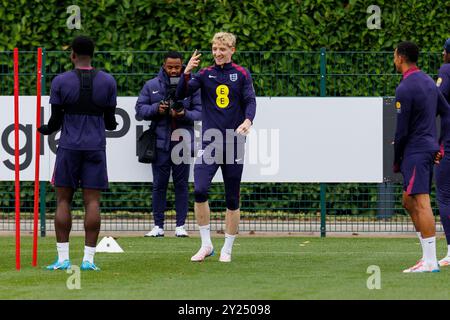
157	102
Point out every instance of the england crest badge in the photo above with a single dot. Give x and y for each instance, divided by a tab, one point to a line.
233	77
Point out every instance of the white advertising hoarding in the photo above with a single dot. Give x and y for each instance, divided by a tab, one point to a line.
293	139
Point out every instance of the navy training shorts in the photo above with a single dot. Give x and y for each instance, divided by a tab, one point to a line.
417	171
80	168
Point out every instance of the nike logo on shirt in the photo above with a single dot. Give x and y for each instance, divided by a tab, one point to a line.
155	92
210	76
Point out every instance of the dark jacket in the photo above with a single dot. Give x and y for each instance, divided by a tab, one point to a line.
147	106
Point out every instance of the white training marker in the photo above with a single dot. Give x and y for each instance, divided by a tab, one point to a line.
108	244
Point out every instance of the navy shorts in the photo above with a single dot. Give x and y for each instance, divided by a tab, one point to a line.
417	171
80	168
205	169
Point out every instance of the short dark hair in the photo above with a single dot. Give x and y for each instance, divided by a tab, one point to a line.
409	50
447	45
83	46
173	55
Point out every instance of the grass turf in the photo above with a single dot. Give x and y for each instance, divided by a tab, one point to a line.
262	268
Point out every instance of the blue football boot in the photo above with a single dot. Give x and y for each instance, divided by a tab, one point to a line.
86	265
60	265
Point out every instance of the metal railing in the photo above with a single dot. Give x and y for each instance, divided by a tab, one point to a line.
266	207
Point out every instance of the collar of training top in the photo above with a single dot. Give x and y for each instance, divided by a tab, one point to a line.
410	71
226	66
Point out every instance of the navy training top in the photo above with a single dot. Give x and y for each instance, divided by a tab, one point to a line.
81	131
416	99
227	93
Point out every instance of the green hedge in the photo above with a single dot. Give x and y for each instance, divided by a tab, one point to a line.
268	28
259	24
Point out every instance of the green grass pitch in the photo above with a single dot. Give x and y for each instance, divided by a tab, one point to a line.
262	268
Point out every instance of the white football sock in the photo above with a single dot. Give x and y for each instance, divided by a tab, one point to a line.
63	251
419	235
429	250
448	251
89	253
228	245
205	234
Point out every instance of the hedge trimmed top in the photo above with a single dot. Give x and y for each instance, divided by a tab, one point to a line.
258	24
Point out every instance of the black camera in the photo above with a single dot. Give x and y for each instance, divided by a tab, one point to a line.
171	99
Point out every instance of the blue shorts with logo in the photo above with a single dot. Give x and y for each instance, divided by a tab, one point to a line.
417	171
80	169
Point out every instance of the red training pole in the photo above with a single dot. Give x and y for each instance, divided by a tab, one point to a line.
16	153
38	149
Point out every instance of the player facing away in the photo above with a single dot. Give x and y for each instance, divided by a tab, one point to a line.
83	103
228	110
443	168
415	148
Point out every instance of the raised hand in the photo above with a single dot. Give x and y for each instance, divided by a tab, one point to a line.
193	62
